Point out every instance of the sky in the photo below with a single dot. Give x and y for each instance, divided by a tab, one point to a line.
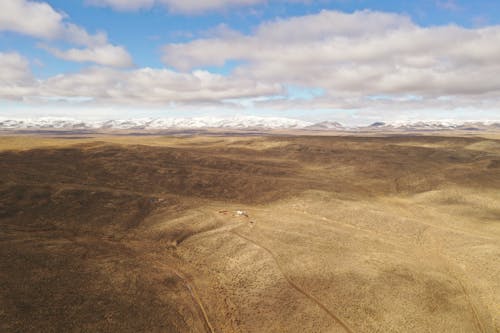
353	61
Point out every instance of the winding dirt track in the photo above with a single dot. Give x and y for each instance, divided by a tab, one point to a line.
446	262
477	321
196	299
295	286
194	295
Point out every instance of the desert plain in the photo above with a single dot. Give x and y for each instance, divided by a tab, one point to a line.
238	233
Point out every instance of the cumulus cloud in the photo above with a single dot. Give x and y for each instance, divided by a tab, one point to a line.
180	6
145	86
40	20
36	19
154	86
355	56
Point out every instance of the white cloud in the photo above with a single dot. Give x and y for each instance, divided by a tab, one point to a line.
180	6
352	56
79	36
15	76
145	86
107	55
364	60
40	20
14	69
36	19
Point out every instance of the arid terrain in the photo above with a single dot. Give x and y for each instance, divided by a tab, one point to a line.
275	233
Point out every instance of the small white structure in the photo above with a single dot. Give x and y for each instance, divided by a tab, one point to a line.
241	213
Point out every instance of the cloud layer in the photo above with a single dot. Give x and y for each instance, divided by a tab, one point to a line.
360	54
329	60
363	59
140	87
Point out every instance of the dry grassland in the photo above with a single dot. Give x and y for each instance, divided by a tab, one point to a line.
343	234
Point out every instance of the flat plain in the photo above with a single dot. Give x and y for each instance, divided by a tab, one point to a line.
273	233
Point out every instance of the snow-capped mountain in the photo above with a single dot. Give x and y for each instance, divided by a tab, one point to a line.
241	122
407	126
236	122
326	125
434	126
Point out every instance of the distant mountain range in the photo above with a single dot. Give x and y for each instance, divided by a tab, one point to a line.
326	125
237	123
434	126
242	122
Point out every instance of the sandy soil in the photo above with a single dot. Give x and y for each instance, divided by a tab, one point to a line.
338	234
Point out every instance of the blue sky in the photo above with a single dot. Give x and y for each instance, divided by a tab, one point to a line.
347	60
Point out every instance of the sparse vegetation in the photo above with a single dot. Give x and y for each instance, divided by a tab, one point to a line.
340	234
